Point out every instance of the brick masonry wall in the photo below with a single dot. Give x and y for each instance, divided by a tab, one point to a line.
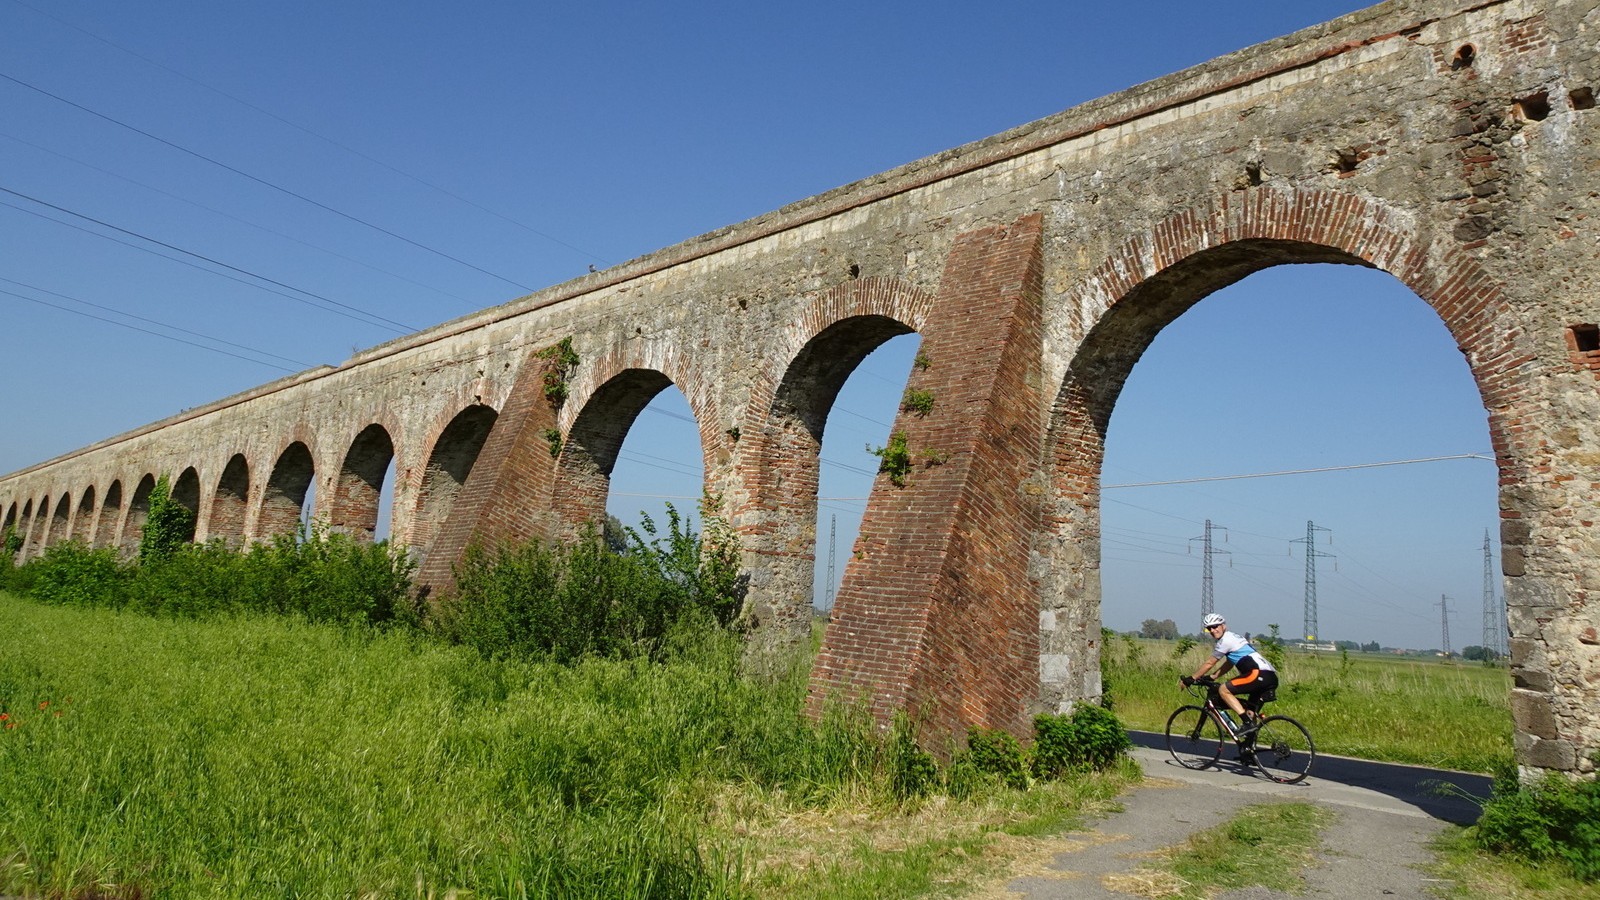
935	614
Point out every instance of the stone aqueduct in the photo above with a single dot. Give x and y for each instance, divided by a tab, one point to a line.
1450	143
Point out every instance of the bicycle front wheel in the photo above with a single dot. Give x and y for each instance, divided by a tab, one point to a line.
1194	738
1283	749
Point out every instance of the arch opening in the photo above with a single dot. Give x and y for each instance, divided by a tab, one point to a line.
659	460
83	523
860	418
1282	368
288	487
186	493
138	514
358	492
449	464
110	513
230	502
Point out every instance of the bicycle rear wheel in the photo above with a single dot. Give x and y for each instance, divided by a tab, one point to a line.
1194	738
1283	749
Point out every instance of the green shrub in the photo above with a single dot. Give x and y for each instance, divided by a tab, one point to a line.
912	771
329	577
1551	819
1089	739
566	602
167	526
997	753
71	574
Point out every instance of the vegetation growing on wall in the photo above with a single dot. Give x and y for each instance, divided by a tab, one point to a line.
168	525
563	360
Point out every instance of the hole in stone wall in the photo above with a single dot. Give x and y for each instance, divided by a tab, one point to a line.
1252	173
1582	98
1534	107
1585	338
855	271
744	303
1464	57
1345	160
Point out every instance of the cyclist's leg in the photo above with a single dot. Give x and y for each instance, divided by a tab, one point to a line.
1230	691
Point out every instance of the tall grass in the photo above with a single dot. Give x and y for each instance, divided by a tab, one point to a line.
253	756
1453	715
250	756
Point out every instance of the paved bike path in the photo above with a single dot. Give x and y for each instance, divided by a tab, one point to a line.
1385	816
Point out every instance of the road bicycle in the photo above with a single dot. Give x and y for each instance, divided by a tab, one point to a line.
1279	746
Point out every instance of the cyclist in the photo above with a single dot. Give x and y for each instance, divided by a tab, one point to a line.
1256	675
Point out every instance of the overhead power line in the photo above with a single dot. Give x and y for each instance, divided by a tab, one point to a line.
79	312
1375	465
265	183
319	136
167	325
370	318
227	215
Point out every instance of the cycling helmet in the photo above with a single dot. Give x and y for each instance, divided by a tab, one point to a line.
1212	619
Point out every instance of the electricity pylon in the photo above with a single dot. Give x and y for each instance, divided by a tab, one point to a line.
1493	616
1444	622
1208	601
1311	574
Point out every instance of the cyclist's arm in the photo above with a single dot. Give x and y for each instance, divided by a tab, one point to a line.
1208	665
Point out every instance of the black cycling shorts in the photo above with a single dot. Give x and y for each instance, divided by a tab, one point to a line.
1257	682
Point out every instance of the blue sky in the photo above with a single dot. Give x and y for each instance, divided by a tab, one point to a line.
391	166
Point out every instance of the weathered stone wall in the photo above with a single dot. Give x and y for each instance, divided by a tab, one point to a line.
1451	143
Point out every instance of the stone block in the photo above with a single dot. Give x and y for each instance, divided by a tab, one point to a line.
1532	713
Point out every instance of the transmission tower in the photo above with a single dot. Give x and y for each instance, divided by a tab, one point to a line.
1493	617
1311	573
1444	622
833	525
1208	602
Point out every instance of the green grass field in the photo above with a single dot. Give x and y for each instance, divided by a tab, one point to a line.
258	757
1452	715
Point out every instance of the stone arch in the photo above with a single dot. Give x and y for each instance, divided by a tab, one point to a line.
230	502
449	462
1152	279
83	523
186	493
60	521
284	499
29	526
589	454
788	411
358	485
138	513
611	392
9	523
105	529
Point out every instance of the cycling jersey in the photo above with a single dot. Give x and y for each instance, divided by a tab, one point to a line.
1244	657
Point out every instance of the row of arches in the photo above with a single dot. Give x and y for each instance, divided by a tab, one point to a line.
244	501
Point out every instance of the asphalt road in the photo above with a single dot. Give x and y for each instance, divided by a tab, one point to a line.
1385	817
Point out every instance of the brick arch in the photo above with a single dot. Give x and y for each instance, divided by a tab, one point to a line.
83	522
186	493
451	455
283	500
109	515
781	438
60	520
1158	274
358	482
612	391
138	512
25	527
230	501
